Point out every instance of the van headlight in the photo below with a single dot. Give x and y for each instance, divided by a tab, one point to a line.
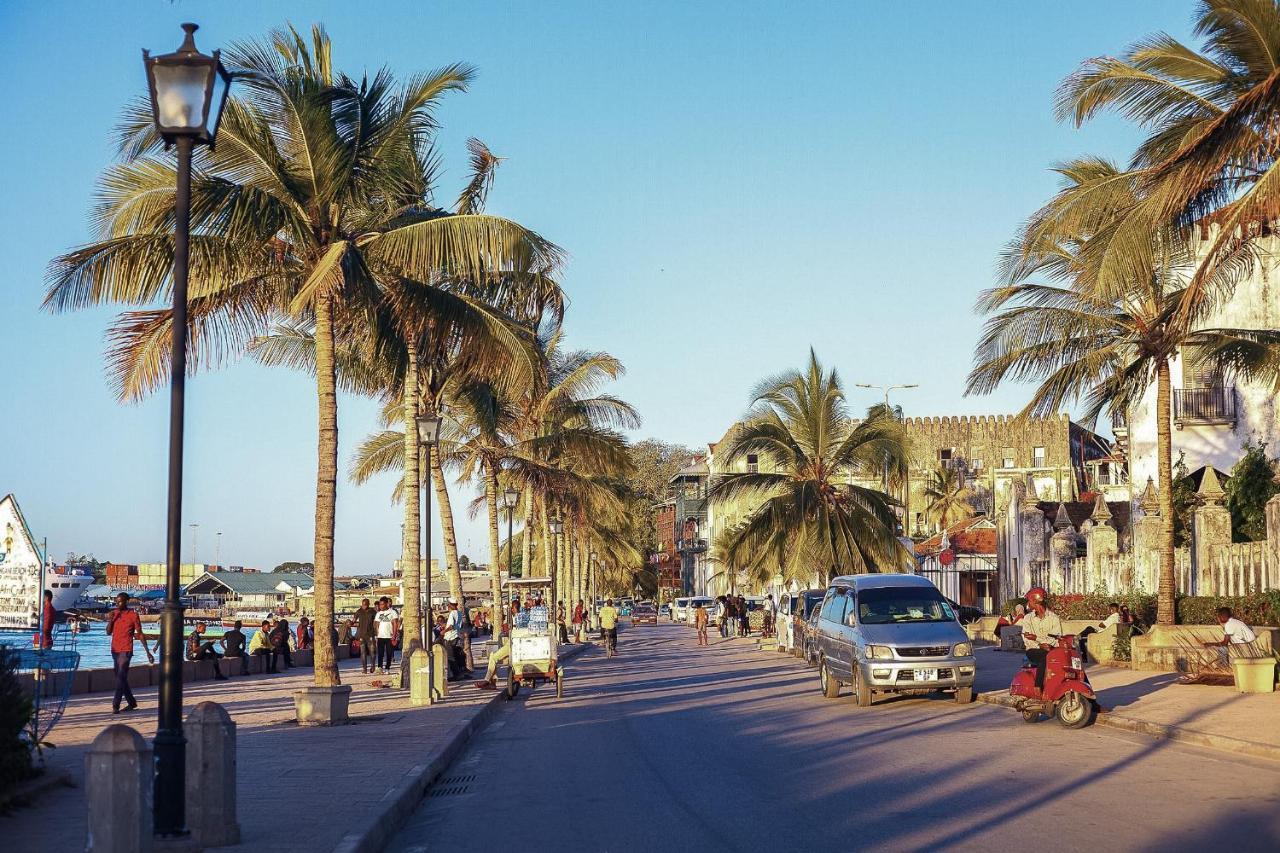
962	650
879	653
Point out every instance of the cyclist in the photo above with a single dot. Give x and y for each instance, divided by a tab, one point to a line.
609	624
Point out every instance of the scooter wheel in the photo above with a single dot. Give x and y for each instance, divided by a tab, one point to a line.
1075	711
1030	716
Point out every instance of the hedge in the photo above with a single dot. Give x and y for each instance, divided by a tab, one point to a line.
1257	609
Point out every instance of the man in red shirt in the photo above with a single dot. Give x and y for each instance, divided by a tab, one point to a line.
124	626
46	621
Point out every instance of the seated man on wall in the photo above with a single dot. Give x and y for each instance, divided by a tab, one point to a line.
198	648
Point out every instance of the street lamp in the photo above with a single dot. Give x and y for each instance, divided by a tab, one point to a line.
906	494
557	527
428	435
509	500
185	111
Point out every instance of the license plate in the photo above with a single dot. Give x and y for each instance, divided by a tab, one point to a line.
926	675
1076	663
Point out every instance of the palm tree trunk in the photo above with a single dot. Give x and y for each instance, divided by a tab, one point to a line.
495	564
446	528
1168	587
545	529
326	664
411	547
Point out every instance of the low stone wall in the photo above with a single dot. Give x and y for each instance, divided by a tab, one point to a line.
1178	648
148	674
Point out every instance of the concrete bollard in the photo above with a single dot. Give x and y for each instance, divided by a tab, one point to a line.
211	776
118	773
419	687
440	670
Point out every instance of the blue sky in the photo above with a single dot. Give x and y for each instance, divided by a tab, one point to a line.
735	182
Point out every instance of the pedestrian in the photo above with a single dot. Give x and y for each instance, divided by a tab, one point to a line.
700	620
452	636
387	622
579	620
770	612
560	622
125	627
280	639
304	634
726	615
198	648
47	617
1237	638
260	646
366	635
744	617
233	643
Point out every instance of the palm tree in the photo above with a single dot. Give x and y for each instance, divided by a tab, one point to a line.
810	513
1100	338
949	496
297	214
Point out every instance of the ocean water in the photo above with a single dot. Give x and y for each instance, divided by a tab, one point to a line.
94	645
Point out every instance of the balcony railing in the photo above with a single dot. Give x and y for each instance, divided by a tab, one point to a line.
1204	405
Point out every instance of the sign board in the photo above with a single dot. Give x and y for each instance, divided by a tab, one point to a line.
946	557
19	569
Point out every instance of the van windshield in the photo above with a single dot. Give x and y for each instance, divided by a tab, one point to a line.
902	604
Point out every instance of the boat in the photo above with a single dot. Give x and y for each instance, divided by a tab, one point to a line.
67	585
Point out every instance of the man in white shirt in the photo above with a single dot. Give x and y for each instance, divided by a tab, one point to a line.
1112	618
1040	628
1237	637
452	637
387	622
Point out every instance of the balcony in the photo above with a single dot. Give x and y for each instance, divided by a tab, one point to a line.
691	546
1214	405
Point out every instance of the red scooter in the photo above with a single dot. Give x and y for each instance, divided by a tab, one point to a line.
1067	693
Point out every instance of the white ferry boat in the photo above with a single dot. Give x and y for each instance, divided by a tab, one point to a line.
66	585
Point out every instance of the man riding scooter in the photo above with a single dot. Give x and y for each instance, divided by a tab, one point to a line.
1040	630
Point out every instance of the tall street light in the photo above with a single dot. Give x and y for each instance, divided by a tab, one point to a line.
428	435
509	500
557	527
188	91
906	494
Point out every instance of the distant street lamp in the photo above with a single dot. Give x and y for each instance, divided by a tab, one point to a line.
557	527
186	111
509	500
906	490
428	435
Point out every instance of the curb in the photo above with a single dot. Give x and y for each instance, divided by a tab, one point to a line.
399	802
1161	731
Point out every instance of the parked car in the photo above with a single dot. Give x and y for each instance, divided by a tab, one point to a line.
679	609
891	633
708	604
791	605
664	610
810	638
964	613
644	614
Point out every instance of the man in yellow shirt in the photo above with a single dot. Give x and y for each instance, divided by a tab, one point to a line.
609	624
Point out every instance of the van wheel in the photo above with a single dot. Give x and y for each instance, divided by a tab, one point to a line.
830	687
861	689
964	695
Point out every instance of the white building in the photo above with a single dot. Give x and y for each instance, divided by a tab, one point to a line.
1213	416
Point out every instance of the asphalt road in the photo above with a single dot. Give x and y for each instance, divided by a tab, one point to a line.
672	747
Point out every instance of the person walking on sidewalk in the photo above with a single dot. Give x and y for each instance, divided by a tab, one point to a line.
48	616
260	646
744	618
387	621
609	625
233	647
125	627
700	622
366	634
198	648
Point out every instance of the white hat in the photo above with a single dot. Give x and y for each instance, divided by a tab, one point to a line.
453	601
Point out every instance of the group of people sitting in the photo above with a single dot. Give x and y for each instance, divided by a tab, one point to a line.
272	641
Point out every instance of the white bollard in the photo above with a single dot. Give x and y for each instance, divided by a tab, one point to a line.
211	776
119	773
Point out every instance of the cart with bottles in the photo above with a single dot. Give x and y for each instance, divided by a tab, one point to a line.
534	640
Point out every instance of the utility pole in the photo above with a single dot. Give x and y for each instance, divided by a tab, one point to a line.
195	541
906	491
217	550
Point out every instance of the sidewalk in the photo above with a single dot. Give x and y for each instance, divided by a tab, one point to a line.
298	789
1153	703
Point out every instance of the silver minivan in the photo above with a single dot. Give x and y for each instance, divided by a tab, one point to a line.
891	633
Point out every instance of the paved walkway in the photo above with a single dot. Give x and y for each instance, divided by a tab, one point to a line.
299	789
673	747
1157	698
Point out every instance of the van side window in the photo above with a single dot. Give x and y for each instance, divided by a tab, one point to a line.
833	609
832	596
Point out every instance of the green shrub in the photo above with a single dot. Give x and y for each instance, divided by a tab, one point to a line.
1259	609
15	715
1122	646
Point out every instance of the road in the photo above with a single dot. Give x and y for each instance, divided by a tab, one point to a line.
672	747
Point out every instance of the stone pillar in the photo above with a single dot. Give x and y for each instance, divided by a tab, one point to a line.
1210	527
1062	549
118	772
1146	540
211	776
419	686
1101	542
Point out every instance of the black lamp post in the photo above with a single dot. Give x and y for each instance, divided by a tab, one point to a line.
186	108
428	435
509	500
557	527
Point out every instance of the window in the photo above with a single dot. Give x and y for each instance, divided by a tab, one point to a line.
1007	460
834	607
886	605
976	463
753	463
944	454
1037	457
